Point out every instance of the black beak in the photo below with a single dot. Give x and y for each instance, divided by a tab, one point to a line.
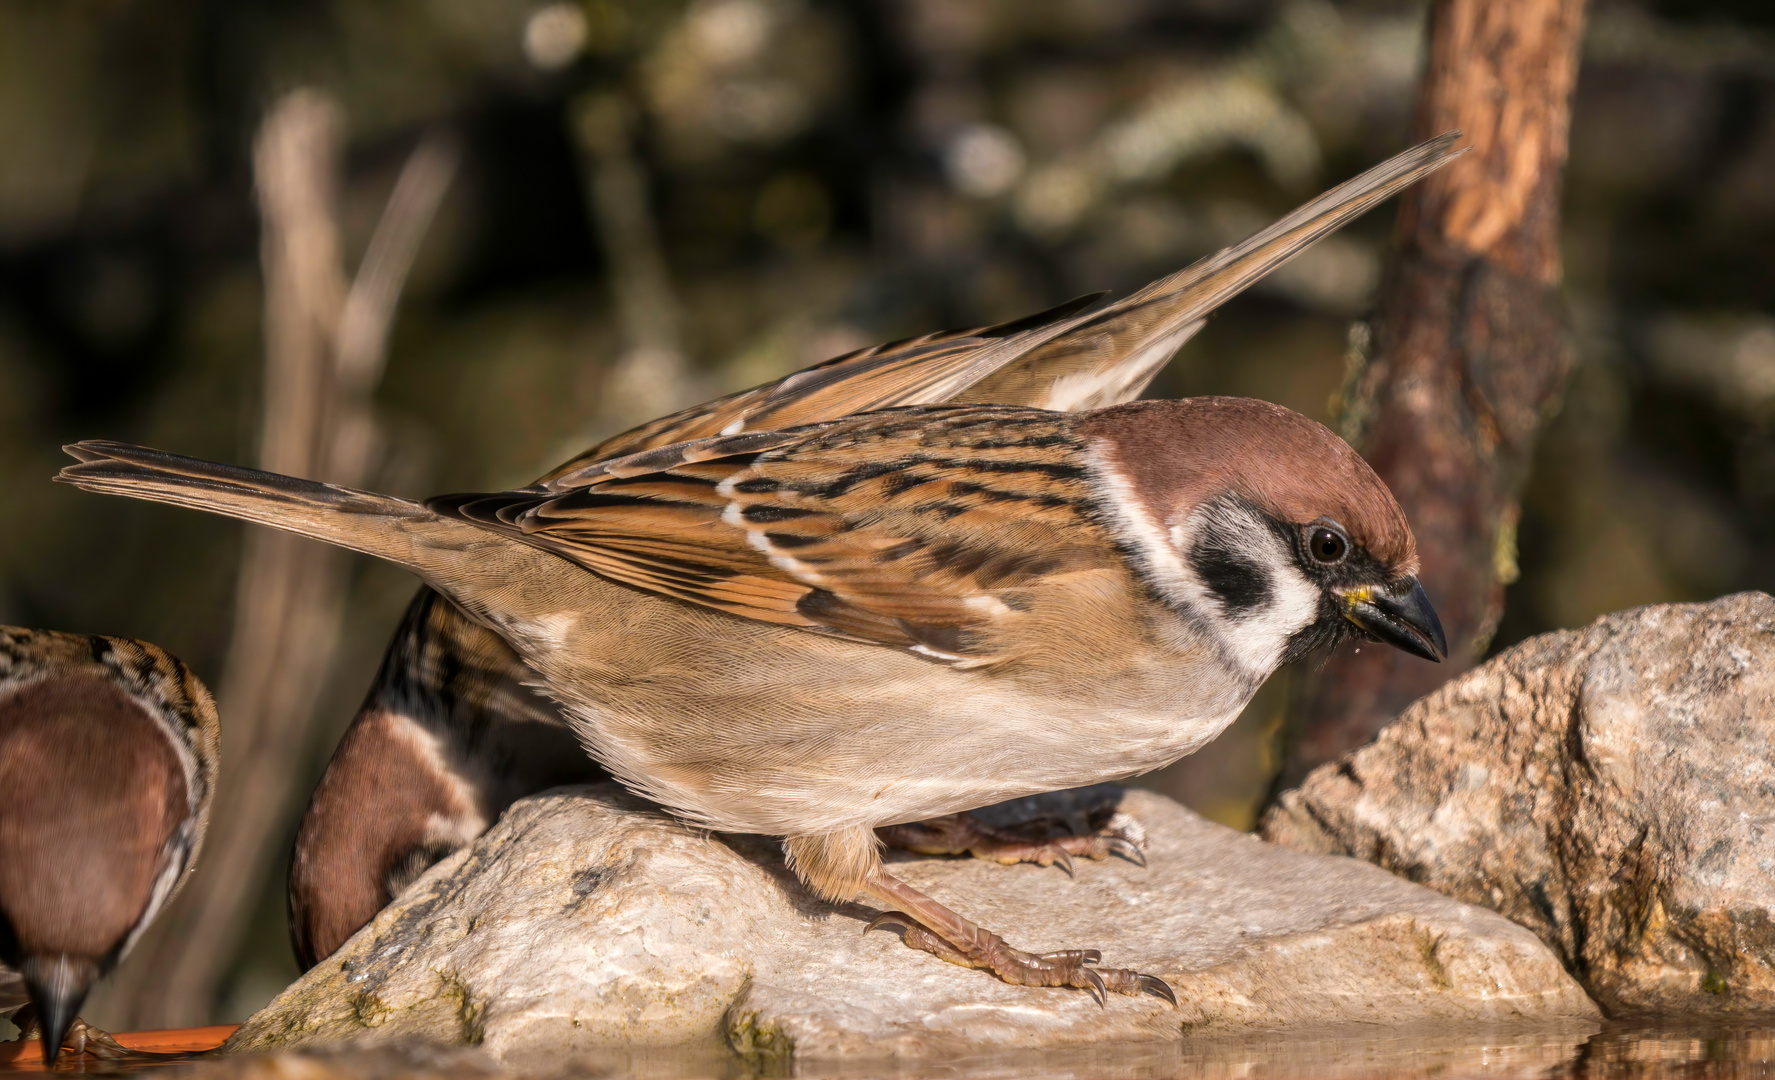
58	987
1401	617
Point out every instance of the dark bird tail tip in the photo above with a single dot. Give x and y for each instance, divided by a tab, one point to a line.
87	450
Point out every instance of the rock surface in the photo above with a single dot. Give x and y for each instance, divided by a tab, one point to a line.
1611	788
585	923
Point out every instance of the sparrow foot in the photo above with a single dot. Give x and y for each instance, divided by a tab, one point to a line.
1028	842
81	1038
1070	967
935	929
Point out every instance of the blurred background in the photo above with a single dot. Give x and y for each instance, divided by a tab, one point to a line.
644	203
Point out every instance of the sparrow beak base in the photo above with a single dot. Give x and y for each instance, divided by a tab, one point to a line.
1403	619
58	988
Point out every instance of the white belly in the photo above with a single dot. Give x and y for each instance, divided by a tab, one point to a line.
749	727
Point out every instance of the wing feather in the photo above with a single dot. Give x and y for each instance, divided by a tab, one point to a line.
912	524
919	527
1071	358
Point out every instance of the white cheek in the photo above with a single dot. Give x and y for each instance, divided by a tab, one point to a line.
1260	636
1256	638
1251	641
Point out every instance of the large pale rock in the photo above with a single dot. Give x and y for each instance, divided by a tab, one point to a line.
1611	788
585	923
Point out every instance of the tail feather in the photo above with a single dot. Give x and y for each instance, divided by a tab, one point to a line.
362	521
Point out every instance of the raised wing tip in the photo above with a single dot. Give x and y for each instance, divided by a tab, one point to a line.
1408	166
1443	145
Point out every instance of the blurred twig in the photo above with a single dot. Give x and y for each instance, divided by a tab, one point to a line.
325	343
651	377
1470	349
361	339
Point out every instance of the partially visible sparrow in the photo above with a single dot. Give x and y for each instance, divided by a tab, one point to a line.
451	733
108	755
900	614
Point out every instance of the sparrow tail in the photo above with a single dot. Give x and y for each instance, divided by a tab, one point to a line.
400	531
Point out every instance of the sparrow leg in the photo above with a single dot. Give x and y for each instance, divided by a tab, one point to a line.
934	928
1028	842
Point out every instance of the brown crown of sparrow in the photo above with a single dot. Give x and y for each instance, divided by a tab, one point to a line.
910	612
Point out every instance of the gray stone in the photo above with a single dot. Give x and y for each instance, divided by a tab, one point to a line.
1611	788
585	923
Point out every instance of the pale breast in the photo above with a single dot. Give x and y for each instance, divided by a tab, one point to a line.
752	727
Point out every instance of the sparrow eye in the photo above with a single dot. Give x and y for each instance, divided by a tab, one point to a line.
1326	546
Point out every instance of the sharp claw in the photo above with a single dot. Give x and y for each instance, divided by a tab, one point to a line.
1064	861
1096	987
897	918
1127	849
1090	956
1157	987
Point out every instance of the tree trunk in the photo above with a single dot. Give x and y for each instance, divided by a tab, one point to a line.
1469	347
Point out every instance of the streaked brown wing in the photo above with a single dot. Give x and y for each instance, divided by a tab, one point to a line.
921	370
1067	358
917	527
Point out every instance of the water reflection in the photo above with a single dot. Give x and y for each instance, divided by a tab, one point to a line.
1645	1048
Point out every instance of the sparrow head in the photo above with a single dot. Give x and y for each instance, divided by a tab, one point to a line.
95	823
1261	526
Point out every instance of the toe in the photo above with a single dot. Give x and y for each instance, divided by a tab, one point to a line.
897	919
1158	988
1087	979
1127	849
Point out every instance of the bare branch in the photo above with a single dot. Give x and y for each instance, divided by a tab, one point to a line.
325	343
1470	345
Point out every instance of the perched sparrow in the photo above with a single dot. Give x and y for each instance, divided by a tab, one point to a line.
451	733
108	751
903	614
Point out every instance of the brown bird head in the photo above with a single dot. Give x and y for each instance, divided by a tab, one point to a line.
97	815
1263	526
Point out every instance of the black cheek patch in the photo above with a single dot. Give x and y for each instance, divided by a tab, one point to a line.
1238	580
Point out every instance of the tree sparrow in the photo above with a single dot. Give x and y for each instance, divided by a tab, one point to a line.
108	754
906	613
451	734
